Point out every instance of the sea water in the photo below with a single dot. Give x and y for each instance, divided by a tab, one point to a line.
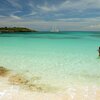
59	58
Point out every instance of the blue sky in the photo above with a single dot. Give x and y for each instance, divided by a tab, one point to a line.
44	14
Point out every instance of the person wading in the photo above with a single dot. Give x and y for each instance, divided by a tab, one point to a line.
99	51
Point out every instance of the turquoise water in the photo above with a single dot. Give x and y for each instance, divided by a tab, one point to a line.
59	58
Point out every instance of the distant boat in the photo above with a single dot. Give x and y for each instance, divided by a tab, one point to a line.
54	29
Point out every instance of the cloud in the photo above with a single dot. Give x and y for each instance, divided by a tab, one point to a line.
31	4
95	19
43	14
32	13
14	3
15	17
47	8
1	16
95	26
69	24
80	5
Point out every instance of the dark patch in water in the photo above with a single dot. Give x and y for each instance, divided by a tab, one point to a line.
44	37
97	36
9	36
95	33
54	37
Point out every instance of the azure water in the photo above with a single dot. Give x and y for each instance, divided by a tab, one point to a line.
58	58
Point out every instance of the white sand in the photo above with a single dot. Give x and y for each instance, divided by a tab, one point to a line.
12	92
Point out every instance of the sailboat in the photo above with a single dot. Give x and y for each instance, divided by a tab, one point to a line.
54	29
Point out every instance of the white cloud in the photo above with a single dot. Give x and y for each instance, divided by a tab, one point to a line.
96	26
96	19
32	13
15	17
47	8
59	14
31	4
15	12
31	7
80	5
2	16
75	24
14	3
68	19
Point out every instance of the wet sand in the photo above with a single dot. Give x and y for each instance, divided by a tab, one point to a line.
15	86
10	92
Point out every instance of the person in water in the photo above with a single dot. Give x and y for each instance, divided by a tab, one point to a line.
99	51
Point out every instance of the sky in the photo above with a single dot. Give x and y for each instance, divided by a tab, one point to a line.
42	15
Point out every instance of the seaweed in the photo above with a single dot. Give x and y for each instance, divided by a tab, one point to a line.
17	79
31	84
4	71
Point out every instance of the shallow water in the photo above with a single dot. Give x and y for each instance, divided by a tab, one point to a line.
58	58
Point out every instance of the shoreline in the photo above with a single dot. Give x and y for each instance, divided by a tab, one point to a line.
14	92
14	86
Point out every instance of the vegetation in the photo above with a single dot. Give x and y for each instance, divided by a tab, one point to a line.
15	29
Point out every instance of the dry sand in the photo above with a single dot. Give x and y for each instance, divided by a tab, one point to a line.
14	92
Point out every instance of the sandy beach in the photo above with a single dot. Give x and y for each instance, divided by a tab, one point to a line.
15	92
11	89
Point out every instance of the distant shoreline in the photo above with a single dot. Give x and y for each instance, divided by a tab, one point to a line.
15	29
